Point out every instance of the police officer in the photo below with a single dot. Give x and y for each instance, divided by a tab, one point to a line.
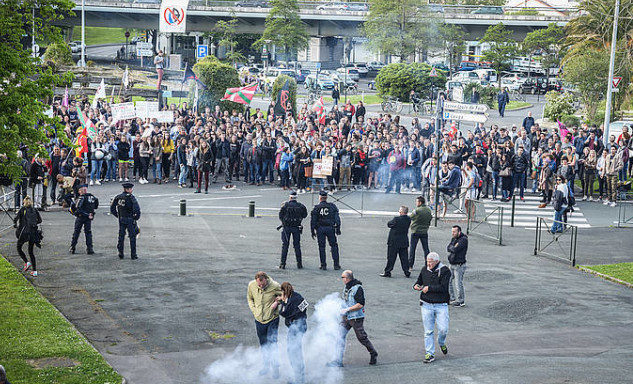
126	209
291	214
84	210
326	223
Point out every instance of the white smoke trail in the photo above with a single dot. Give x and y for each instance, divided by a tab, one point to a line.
319	348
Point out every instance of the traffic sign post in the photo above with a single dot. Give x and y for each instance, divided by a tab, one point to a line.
202	51
465	112
433	72
616	81
477	118
144	49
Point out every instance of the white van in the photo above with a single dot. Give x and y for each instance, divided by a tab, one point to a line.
487	74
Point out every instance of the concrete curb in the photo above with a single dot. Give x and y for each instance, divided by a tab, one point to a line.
522	108
606	277
105	45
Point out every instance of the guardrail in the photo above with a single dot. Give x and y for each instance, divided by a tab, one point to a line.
6	204
339	194
561	245
485	224
625	214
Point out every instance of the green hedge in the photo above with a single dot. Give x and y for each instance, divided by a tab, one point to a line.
487	95
399	79
217	77
292	85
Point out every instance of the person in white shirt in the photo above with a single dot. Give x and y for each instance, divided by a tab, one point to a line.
159	63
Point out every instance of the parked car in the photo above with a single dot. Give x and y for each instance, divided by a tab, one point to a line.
321	81
466	77
358	6
360	67
488	10
615	128
351	73
436	8
75	46
301	75
252	3
375	65
333	6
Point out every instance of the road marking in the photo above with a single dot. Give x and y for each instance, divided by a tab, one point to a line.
224	198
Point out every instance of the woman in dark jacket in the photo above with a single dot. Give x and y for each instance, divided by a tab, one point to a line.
27	220
506	177
293	309
205	158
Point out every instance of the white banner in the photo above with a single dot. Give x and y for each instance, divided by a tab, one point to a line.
173	16
450	115
162	116
123	111
145	108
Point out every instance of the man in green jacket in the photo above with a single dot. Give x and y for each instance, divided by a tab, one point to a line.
263	294
420	222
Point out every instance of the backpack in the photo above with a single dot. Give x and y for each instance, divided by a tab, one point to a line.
571	200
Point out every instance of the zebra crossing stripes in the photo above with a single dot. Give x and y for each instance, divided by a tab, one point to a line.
526	212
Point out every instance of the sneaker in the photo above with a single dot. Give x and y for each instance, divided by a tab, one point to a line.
179	185
612	204
26	267
459	304
590	199
543	205
120	180
428	358
444	349
584	198
126	179
91	183
71	250
458	211
97	182
323	268
373	358
33	273
605	202
385	274
282	266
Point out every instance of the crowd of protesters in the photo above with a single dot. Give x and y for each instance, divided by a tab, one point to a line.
257	147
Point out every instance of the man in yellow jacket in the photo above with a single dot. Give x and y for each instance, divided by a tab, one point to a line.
263	295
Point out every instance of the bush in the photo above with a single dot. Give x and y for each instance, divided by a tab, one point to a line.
292	86
571	120
398	79
487	95
558	105
217	77
59	54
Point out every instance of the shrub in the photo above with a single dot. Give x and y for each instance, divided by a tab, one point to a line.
558	105
487	95
217	77
292	86
59	54
399	79
571	120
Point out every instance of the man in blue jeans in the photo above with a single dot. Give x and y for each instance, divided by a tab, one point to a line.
433	286
457	249
559	204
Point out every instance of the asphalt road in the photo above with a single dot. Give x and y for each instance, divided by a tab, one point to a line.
528	319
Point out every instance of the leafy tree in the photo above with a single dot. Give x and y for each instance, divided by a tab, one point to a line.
454	44
399	79
217	77
284	28
588	72
502	48
26	86
228	39
292	87
547	44
400	27
58	53
487	95
558	105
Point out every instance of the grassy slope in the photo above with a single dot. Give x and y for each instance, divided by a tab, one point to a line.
31	328
622	271
101	35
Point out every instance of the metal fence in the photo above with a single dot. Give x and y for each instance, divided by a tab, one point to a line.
556	245
6	204
349	197
625	214
485	224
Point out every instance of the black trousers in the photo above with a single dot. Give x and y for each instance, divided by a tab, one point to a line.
392	254
21	242
130	226
86	223
424	239
286	232
361	335
327	233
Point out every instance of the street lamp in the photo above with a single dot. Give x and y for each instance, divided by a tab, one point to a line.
82	62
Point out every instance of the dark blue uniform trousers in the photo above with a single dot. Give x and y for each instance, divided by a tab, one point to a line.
286	232
86	223
322	234
130	226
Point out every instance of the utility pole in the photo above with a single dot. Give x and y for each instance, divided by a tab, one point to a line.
614	41
33	47
83	34
438	146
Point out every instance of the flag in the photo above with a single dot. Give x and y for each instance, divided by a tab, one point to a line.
195	99
65	100
191	75
126	78
319	108
89	129
283	97
241	95
112	95
100	94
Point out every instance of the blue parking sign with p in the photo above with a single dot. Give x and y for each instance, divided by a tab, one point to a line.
202	51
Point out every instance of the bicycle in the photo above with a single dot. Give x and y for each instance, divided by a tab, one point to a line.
391	105
422	107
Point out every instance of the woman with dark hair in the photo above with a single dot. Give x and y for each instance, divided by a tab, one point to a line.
293	309
204	159
26	221
506	177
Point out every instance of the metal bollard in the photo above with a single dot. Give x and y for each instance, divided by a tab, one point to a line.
183	207
513	206
251	209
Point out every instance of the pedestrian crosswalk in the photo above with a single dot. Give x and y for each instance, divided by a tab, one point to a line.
526	212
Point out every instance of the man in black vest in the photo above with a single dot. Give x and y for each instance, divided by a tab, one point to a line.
126	209
325	223
398	242
84	210
291	214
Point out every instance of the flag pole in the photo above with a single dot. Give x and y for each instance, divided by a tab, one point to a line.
180	94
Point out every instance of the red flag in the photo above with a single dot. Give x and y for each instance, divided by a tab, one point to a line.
319	108
241	95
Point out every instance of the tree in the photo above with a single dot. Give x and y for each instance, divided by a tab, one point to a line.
284	28
502	48
588	72
58	53
400	27
26	85
228	39
399	79
217	77
453	38
547	44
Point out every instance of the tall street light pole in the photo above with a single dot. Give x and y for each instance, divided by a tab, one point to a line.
83	34
614	41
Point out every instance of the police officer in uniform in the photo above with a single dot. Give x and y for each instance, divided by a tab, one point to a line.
326	223
126	209
291	214
84	210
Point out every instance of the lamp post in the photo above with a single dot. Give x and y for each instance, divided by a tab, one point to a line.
614	41
82	62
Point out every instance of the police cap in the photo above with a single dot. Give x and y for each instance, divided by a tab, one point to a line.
323	193
128	185
83	186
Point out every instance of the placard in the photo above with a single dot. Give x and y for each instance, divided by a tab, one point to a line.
145	108
123	111
162	116
317	168
322	168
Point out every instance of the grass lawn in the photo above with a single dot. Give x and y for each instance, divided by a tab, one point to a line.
621	271
368	99
513	104
102	35
31	328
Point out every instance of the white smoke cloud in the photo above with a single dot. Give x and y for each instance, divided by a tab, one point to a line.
319	347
